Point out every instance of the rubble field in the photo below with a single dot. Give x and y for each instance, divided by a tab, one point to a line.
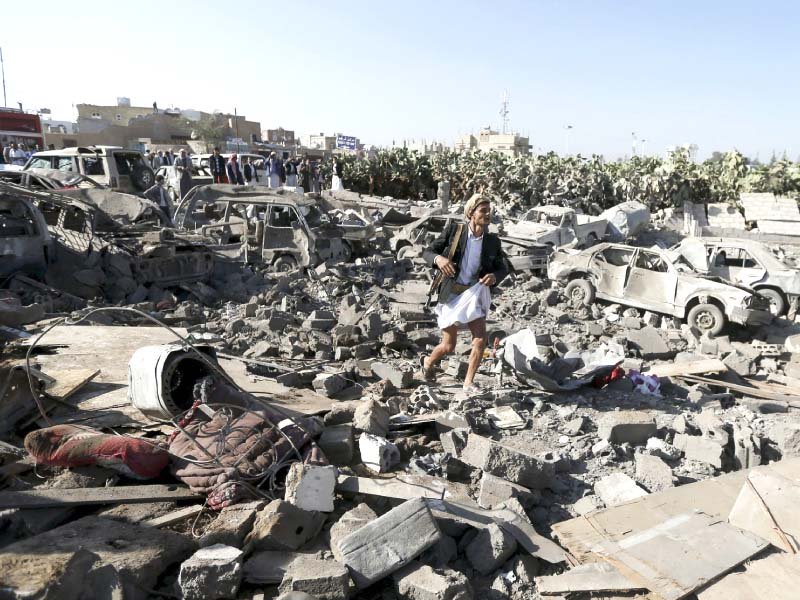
187	413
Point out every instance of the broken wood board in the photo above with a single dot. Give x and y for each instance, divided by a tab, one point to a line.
69	382
696	367
682	554
510	521
591	577
753	389
45	498
773	577
405	487
176	516
767	506
714	497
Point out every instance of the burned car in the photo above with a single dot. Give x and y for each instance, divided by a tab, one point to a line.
523	254
745	262
649	279
558	226
48	179
275	227
25	243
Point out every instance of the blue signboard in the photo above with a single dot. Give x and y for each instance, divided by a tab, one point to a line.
346	142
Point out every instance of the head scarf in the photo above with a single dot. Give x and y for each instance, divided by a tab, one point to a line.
473	203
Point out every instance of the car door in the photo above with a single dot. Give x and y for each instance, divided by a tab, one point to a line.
652	281
737	265
610	267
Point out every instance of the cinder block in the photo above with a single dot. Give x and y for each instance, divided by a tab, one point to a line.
311	487
323	579
389	542
283	526
378	454
506	462
212	572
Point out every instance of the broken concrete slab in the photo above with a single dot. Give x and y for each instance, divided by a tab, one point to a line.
351	521
372	417
139	554
338	445
421	582
490	548
652	473
650	343
495	490
400	378
696	447
618	488
773	577
633	427
588	504
389	542
323	579
788	439
267	566
283	526
212	572
507	462
329	384
311	487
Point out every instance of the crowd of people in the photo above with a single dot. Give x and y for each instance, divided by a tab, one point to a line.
17	154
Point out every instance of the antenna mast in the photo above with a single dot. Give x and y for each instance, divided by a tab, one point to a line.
504	111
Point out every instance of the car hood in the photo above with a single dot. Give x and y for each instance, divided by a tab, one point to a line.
709	282
525	229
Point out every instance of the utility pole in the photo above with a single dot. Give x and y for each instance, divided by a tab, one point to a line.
3	68
567	129
633	144
236	120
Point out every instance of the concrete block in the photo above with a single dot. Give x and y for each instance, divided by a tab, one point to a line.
390	542
506	462
232	525
650	343
746	448
372	417
454	440
267	567
351	521
712	427
652	473
617	488
633	427
788	438
421	582
588	504
399	377
329	384
283	526
323	579
456	368
696	447
492	547
665	450
311	487
211	573
338	445
378	454
441	553
495	490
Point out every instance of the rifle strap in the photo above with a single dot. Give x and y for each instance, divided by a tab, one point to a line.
454	244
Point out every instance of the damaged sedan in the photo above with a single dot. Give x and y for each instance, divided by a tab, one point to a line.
649	279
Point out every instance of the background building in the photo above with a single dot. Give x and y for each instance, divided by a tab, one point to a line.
488	140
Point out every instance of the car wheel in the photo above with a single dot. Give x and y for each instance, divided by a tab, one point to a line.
347	252
777	305
580	291
707	318
284	264
143	178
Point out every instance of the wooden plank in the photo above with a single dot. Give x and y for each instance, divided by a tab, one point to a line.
714	497
773	577
697	367
591	577
176	516
751	390
405	487
682	554
45	498
69	382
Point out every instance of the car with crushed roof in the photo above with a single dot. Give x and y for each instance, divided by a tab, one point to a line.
649	279
558	226
745	262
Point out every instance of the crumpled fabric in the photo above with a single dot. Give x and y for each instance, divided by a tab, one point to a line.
602	381
645	384
243	446
78	446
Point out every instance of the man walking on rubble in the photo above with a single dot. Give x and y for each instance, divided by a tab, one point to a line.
216	164
471	260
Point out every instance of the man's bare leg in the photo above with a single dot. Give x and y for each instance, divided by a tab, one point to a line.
446	346
478	330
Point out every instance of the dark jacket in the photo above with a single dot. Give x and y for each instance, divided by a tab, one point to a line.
234	173
250	172
216	164
493	259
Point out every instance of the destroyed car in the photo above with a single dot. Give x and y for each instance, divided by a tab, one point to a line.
48	179
746	262
25	243
558	226
113	166
523	254
280	228
649	279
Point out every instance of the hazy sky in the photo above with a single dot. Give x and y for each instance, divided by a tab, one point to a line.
721	74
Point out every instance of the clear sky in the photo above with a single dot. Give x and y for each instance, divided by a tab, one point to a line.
721	74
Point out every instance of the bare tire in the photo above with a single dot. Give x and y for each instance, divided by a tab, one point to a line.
284	263
580	291
707	318
777	303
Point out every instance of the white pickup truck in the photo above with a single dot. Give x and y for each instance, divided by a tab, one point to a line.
558	226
